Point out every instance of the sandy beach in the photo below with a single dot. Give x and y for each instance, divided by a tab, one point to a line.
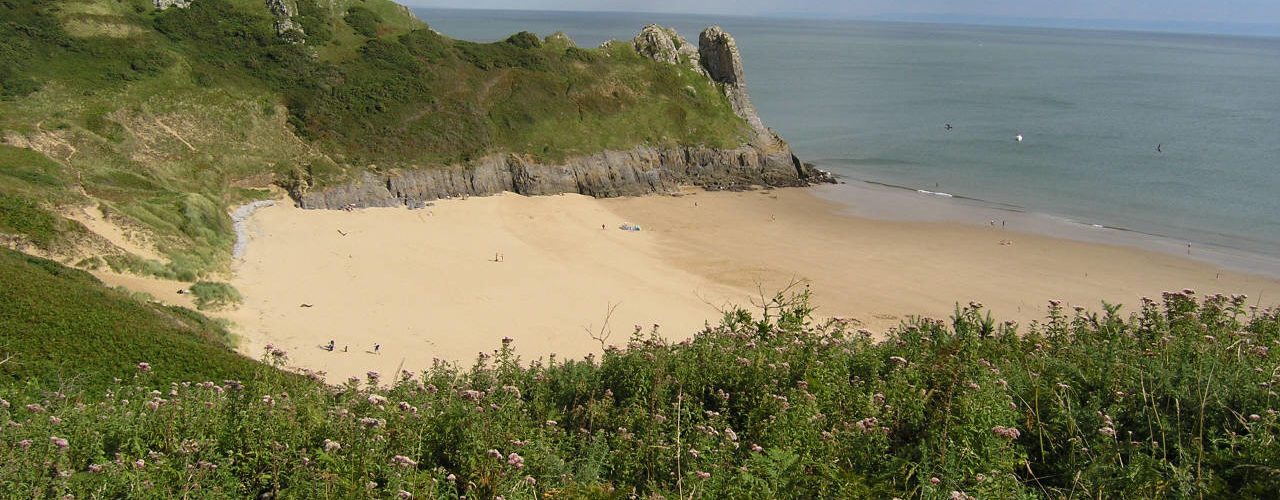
424	284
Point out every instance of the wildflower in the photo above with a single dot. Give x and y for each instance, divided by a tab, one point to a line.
268	400
1108	431
551	423
59	442
154	404
494	453
981	477
694	453
371	485
331	446
95	468
373	377
139	464
507	340
404	461
35	408
404	495
901	361
377	400
451	478
4	403
54	420
405	406
472	394
514	459
1255	417
934	480
1009	433
728	432
529	480
24	444
702	475
756	448
371	422
144	367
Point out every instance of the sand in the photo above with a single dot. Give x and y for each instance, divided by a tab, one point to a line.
424	285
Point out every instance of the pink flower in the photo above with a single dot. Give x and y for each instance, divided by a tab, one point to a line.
24	444
404	461
551	423
404	495
934	480
373	377
35	408
1009	433
154	404
494	453
694	453
1107	431
451	478
54	420
702	475
1255	417
756	448
4	403
144	367
139	464
95	468
375	399
331	446
59	442
530	480
507	340
514	459
371	422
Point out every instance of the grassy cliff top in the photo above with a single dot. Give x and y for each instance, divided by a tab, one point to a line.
162	118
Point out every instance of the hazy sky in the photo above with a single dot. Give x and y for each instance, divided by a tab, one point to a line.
1214	11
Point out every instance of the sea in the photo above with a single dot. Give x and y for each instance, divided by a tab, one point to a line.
1165	141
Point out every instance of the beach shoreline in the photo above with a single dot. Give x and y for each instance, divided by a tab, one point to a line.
884	201
451	281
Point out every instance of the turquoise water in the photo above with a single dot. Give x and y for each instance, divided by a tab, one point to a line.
869	101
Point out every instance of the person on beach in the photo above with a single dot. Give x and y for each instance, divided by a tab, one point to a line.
377	348
344	348
330	346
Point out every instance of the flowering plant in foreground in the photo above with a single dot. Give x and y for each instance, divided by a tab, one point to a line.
1176	399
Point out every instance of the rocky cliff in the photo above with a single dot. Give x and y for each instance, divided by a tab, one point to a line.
765	160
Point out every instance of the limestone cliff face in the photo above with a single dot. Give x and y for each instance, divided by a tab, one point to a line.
639	171
765	160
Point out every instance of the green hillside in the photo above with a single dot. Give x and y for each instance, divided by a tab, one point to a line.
61	329
165	118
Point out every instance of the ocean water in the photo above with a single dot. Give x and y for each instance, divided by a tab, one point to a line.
869	101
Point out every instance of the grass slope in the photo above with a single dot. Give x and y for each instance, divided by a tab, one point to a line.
60	328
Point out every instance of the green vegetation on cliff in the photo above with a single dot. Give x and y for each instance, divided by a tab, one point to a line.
164	118
1176	400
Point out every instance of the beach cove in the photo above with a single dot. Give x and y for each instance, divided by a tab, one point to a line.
557	274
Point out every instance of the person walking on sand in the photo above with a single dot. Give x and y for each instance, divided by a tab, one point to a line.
377	348
344	348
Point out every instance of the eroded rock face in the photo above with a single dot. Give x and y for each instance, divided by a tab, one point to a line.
638	171
723	62
164	4
665	45
283	13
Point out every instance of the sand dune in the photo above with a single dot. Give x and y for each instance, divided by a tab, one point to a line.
423	283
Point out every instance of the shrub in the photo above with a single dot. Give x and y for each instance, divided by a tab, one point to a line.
1173	401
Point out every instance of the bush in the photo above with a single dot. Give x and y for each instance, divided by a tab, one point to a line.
363	21
1173	401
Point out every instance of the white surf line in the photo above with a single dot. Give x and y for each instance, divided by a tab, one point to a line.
240	222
